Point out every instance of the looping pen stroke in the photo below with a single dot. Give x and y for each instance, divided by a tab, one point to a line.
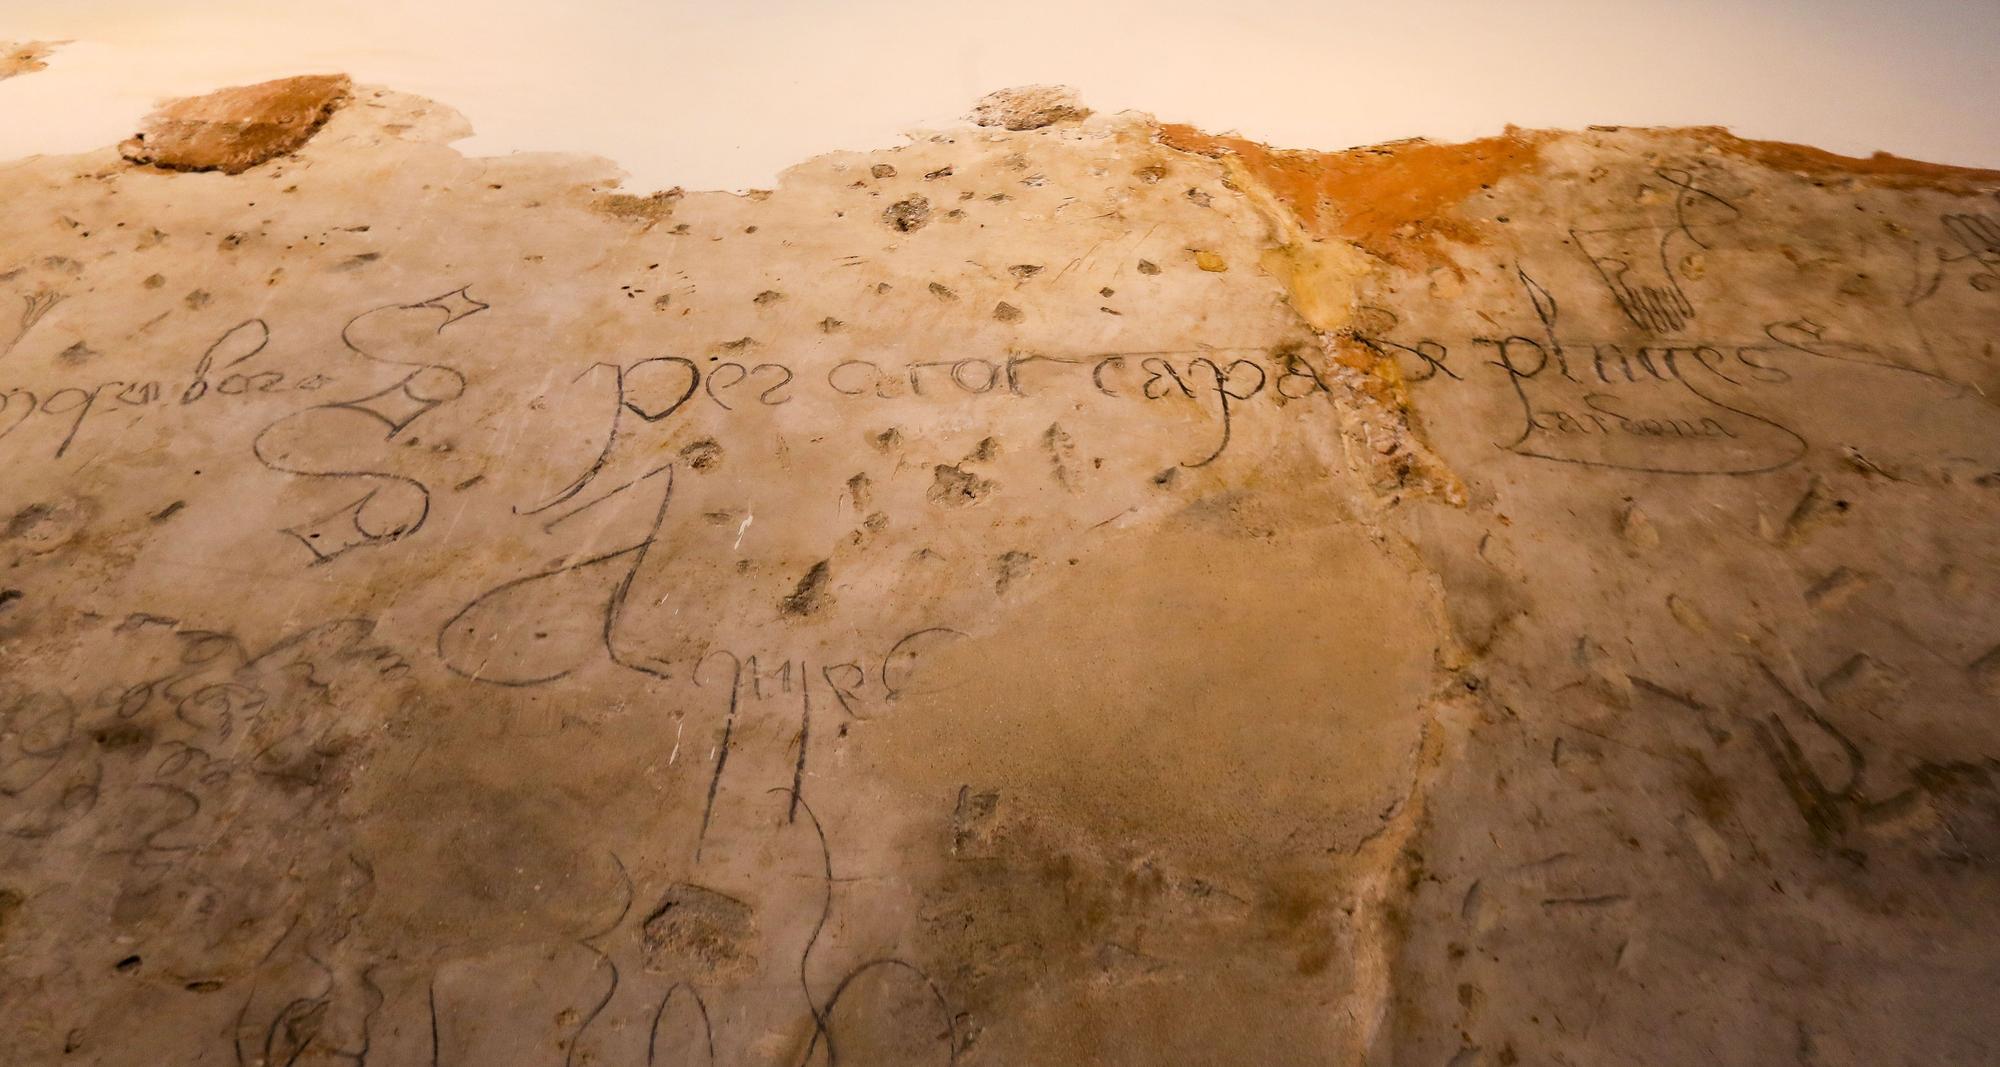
468	641
312	443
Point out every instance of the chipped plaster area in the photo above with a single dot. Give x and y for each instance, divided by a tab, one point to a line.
25	57
1063	590
235	129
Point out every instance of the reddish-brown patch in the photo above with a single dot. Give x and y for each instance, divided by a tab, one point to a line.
234	129
1393	200
1884	170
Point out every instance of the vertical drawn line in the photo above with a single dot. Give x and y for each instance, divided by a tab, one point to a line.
721	759
805	736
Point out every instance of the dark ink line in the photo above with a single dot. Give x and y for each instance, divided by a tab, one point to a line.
549	527
825	913
569	1056
613	610
624	588
937	994
805	737
707	1028
624	909
722	754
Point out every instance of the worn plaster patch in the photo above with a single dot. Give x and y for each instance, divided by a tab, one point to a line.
1881	169
25	57
651	208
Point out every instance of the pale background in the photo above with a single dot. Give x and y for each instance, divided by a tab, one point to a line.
720	94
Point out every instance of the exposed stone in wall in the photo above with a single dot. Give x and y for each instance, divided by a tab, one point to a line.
232	130
1029	107
1080	591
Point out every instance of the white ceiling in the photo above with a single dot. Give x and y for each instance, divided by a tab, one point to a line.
724	95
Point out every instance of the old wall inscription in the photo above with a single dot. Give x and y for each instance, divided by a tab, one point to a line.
1060	590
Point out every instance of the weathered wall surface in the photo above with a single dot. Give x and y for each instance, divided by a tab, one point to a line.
1089	592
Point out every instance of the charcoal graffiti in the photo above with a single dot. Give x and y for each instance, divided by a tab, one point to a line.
319	442
1177	599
